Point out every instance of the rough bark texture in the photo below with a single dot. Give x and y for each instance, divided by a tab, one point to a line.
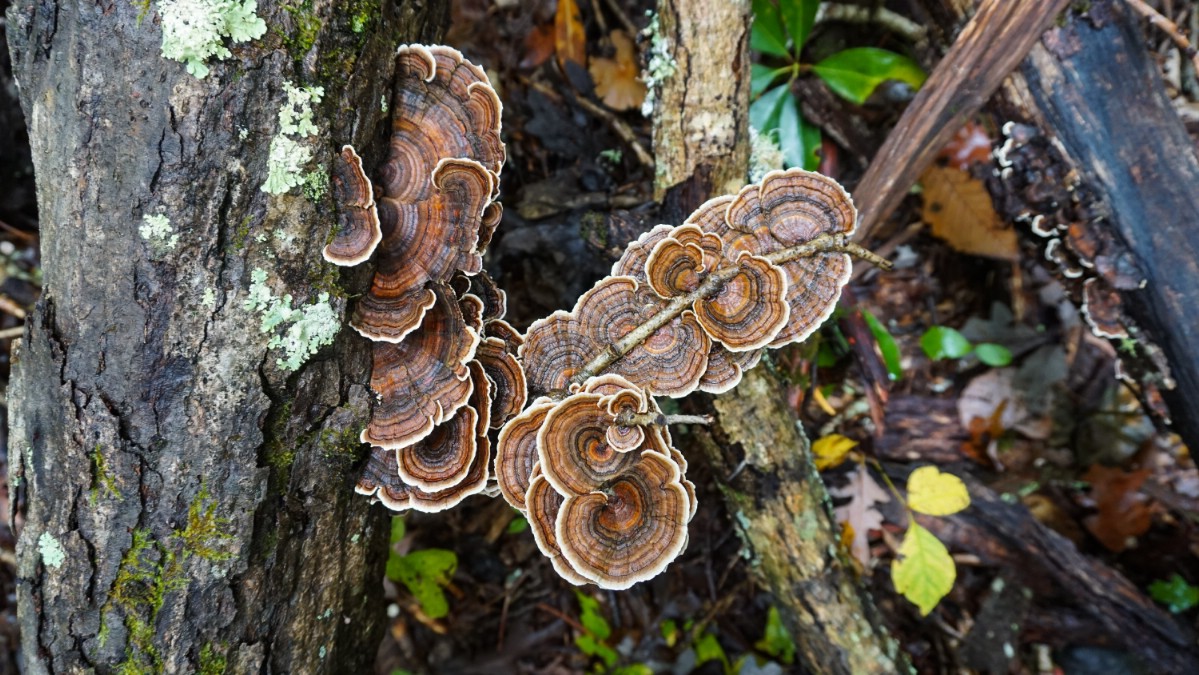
778	502
198	494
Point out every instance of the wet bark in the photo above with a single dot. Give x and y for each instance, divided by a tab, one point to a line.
188	503
759	455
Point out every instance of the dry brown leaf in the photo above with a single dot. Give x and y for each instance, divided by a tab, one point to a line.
616	79
860	512
539	46
1122	510
570	40
959	209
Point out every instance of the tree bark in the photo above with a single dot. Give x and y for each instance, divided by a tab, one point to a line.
189	507
758	454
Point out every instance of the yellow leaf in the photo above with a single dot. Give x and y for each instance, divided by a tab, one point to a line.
925	571
831	450
617	79
569	37
935	493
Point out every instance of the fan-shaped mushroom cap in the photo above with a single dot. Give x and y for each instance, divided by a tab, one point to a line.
789	208
631	530
423	380
750	309
358	222
618	395
669	362
380	480
424	241
472	310
554	349
674	268
692	500
510	392
498	328
492	215
573	449
516	452
544	503
632	263
713	247
495	300
725	368
442	459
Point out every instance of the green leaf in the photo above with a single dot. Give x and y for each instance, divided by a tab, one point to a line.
1176	594
776	642
942	342
768	34
670	632
425	573
707	648
935	493
764	112
798	138
519	524
854	73
799	16
633	669
591	617
397	529
592	647
761	77
925	571
886	346
996	356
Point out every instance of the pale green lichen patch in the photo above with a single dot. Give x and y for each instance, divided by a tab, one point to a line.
659	66
194	30
52	552
305	329
157	230
764	155
288	155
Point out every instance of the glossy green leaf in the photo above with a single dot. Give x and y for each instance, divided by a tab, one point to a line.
1176	594
519	524
776	642
425	573
886	346
854	73
707	648
996	356
591	617
798	139
768	34
593	647
942	342
798	17
764	112
761	77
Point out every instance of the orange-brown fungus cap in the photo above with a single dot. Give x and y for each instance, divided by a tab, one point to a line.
544	502
1103	310
498	328
632	263
472	310
380	480
621	396
442	459
789	208
631	529
358	222
572	446
670	362
495	300
554	349
750	309
424	241
509	392
516	452
674	268
422	381
726	368
713	247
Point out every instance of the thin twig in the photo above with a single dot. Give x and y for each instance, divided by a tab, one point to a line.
622	17
631	419
7	304
825	243
892	21
1168	27
14	332
618	125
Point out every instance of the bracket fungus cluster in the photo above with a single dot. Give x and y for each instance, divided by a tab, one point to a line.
590	461
444	365
605	496
691	307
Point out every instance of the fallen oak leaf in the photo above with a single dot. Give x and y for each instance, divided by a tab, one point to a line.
860	513
1123	512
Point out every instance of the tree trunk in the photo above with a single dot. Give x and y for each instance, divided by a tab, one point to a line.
759	455
188	505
